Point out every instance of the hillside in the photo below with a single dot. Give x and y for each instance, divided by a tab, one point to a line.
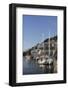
53	48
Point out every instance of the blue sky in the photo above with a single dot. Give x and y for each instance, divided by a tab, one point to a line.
35	26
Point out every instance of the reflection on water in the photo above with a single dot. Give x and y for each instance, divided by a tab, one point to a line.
32	67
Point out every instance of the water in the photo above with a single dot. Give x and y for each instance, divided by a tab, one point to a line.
32	67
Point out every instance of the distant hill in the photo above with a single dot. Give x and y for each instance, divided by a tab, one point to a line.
40	45
52	38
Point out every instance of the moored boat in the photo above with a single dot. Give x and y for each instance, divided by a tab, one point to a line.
42	61
45	59
28	57
49	61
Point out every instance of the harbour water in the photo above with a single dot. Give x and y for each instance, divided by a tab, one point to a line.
32	67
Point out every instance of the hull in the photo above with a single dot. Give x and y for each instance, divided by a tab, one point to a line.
28	57
49	61
41	61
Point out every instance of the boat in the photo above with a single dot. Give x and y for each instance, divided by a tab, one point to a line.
49	59
45	59
41	61
28	57
41	58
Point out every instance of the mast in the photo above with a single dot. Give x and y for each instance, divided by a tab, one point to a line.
49	44
43	40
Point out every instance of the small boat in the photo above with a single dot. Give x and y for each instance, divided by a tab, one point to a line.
41	61
41	58
46	59
28	57
49	61
37	58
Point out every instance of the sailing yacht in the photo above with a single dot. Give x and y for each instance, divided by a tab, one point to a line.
45	59
49	60
41	59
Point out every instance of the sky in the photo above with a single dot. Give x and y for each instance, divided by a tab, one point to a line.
36	26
